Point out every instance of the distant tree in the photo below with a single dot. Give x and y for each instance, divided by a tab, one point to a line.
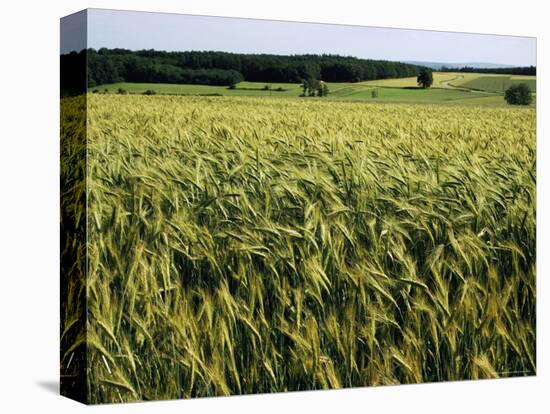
304	87
323	89
518	94
374	93
314	87
150	92
425	78
307	88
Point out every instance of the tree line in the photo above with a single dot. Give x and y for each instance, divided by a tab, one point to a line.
522	70
223	68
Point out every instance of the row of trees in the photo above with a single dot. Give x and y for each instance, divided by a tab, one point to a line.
222	68
523	70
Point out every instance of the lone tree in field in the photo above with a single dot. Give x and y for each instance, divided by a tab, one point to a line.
425	78
314	87
519	94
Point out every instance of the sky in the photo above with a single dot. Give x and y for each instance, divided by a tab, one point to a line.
179	32
73	32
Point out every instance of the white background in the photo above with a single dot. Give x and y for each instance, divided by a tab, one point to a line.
29	205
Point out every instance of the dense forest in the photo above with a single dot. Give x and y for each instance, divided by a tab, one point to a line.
222	68
106	66
524	70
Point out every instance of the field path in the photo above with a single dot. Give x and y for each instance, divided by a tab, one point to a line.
447	83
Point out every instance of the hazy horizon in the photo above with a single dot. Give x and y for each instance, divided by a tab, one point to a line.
135	30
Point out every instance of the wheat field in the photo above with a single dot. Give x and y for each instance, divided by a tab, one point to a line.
253	245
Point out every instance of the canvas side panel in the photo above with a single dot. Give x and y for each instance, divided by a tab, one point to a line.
73	115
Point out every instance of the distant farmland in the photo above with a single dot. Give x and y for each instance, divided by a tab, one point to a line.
494	83
448	88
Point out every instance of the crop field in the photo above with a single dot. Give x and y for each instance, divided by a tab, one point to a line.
493	83
498	84
240	245
441	80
